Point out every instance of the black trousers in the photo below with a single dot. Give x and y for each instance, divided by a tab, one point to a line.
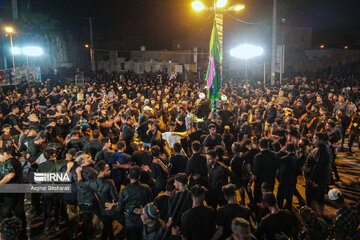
353	136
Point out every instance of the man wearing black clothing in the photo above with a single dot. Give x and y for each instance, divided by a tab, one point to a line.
106	151
177	162
11	173
228	212
318	173
105	190
94	146
199	221
288	172
264	168
88	202
196	166
162	202
241	170
212	139
154	227
141	156
14	123
132	197
180	202
218	177
277	222
127	134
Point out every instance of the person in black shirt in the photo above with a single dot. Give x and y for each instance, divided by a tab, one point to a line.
228	212
162	202
180	202
212	139
288	172
180	120
132	197
241	171
11	172
127	134
264	168
14	123
225	114
106	151
218	177
177	162
196	167
277	222
198	222
94	146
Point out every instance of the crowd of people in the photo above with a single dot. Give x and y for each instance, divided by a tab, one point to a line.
151	157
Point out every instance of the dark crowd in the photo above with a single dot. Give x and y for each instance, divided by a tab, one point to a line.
150	158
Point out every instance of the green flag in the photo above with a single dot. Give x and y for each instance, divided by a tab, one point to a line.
213	75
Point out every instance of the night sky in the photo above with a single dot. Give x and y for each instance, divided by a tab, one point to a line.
334	22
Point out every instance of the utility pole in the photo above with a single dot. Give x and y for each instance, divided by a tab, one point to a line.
273	45
14	8
92	53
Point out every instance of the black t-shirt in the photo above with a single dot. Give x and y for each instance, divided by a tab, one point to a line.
13	122
264	167
227	213
177	164
178	204
211	143
283	221
198	223
162	203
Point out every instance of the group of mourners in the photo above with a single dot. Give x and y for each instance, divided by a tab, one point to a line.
151	157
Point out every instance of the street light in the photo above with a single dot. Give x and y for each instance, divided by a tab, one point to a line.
221	3
197	6
31	51
239	7
10	31
246	51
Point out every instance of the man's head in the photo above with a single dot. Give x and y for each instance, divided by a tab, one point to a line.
180	181
264	143
229	191
106	142
121	145
170	187
5	154
84	160
270	200
10	229
240	229
70	155
212	128
134	173
196	146
150	214
290	147
14	109
211	157
236	148
177	148
318	139
96	134
198	194
6	129
103	169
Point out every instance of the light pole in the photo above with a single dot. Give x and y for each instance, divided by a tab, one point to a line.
219	9
10	31
273	44
282	59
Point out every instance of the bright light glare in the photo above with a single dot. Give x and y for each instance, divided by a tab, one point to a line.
197	6
246	51
9	29
32	51
239	7
221	3
15	50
